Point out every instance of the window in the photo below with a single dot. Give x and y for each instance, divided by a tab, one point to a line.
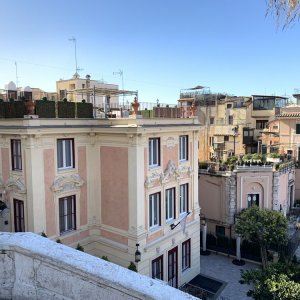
170	204
183	147
16	155
226	138
253	199
173	267
211	121
229	105
261	124
154	152
157	268
19	216
67	214
65	153
186	255
183	198
154	210
220	230
298	128
230	120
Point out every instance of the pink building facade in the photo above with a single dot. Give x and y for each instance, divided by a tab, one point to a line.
109	185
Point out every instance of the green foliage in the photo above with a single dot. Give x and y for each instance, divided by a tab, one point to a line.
84	110
105	258
247	157
279	281
256	156
19	109
264	227
45	109
66	109
79	248
44	99
274	155
132	267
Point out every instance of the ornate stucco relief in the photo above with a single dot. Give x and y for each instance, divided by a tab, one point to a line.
16	184
171	172
67	183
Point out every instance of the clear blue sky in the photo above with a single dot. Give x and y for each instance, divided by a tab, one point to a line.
162	46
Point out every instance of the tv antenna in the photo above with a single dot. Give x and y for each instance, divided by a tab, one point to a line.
73	39
120	73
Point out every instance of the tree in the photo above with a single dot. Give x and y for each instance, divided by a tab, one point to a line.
264	227
279	281
286	11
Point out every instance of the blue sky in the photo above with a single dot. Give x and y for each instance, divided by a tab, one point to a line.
162	46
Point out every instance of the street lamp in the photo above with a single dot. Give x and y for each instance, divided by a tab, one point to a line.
137	254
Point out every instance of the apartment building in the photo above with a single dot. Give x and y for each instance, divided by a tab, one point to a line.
116	186
231	125
77	89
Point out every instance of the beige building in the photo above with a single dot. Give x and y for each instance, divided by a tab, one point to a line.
108	184
283	133
231	125
77	89
223	195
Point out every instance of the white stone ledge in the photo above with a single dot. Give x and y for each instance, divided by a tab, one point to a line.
38	268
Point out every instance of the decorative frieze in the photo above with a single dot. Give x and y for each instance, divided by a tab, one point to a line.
16	184
67	183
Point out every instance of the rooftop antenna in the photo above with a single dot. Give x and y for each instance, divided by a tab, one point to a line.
73	39
17	81
120	73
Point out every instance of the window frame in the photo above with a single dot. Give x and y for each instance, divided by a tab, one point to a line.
67	220
184	202
157	268
186	255
16	154
64	165
183	147
170	201
154	215
298	128
19	215
154	158
220	230
253	199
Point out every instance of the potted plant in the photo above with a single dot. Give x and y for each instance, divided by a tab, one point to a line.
273	157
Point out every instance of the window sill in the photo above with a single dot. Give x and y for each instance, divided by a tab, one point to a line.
154	229
186	270
68	233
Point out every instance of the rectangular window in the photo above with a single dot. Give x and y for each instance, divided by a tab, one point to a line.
226	138
16	155
183	147
211	120
220	230
298	128
19	216
229	105
67	214
154	210
230	120
183	198
157	268
173	267
261	124
170	204
186	255
65	153
154	152
253	199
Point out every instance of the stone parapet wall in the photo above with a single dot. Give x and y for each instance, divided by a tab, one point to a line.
33	267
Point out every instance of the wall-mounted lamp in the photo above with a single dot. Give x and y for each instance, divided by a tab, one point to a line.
137	254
